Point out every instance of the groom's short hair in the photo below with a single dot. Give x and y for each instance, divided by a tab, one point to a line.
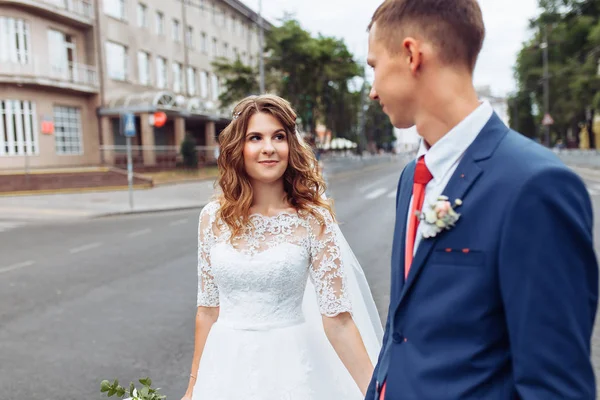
455	27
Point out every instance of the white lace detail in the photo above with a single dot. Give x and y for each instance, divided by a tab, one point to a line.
259	278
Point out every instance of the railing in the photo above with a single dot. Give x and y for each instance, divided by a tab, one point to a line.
38	69
82	8
162	157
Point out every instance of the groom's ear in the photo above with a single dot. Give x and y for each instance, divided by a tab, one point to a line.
412	53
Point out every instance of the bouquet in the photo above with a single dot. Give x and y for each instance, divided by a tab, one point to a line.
146	392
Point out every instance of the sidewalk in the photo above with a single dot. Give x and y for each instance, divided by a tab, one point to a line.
100	204
178	196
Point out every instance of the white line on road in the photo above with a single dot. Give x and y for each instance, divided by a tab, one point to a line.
16	266
592	192
85	247
368	187
375	194
178	222
392	194
140	233
595	186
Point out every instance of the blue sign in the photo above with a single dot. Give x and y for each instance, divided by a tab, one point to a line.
129	125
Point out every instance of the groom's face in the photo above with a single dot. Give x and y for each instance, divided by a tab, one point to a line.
393	84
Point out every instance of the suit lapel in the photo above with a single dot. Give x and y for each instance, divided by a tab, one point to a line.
463	179
398	249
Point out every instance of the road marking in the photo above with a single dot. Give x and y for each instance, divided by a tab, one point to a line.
140	233
595	186
392	194
85	247
375	194
8	225
178	222
592	192
16	266
368	187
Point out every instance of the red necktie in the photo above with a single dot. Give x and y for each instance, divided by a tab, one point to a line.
420	181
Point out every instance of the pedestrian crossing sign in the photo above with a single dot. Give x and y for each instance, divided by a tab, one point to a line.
129	125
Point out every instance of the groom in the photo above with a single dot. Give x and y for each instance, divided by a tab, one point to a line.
500	306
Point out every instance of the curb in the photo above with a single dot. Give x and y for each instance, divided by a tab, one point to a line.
148	211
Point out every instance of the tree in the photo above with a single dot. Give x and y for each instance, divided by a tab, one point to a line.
240	80
521	114
313	73
378	127
573	30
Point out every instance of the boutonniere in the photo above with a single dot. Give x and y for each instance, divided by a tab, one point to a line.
440	216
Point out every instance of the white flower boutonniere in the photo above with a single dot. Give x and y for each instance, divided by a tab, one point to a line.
440	216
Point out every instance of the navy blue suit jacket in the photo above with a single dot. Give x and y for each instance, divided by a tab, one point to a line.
512	317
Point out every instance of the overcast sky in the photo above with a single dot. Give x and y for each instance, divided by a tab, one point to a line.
506	23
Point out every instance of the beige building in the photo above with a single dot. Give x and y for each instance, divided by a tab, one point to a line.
70	68
48	74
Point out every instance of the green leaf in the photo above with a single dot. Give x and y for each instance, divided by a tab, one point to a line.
144	392
131	389
146	381
111	392
104	386
120	391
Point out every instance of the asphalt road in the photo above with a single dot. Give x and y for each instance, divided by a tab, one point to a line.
87	300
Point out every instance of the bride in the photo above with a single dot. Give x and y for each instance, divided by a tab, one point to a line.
284	310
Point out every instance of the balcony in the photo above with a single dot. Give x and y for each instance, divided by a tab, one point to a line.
79	13
73	76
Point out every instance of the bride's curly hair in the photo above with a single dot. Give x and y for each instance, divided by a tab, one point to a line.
303	185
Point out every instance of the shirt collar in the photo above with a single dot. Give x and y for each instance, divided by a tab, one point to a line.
440	157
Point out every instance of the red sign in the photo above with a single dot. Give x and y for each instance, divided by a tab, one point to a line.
47	126
160	118
547	121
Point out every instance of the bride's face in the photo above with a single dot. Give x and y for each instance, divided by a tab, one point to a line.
266	149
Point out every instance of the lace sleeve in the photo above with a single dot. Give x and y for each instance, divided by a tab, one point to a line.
208	292
327	270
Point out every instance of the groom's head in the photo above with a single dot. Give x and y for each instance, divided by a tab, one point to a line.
410	41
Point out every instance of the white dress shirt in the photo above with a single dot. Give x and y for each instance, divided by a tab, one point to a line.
443	157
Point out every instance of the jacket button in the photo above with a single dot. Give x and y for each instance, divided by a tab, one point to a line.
398	338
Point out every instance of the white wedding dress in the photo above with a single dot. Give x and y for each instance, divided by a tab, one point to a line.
268	342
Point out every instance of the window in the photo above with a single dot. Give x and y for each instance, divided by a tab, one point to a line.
142	12
18	129
189	37
160	23
67	130
204	84
115	8
191	80
14	40
176	31
161	72
116	61
203	43
63	57
177	78
215	49
144	68
214	85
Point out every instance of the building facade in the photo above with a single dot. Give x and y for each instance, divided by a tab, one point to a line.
70	68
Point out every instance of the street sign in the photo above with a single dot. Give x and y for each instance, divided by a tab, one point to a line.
160	118
547	120
129	125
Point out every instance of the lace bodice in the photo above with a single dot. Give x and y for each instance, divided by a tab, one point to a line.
260	277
